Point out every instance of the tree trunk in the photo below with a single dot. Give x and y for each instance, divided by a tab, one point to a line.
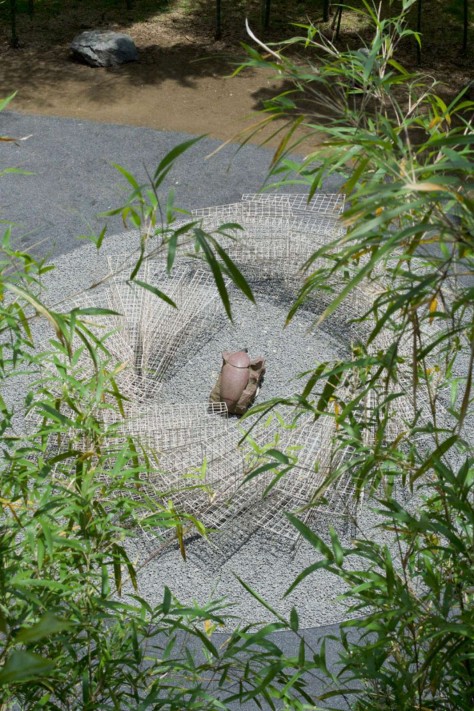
336	23
326	10
465	26
14	37
266	14
218	34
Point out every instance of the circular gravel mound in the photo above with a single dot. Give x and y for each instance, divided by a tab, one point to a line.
266	564
239	550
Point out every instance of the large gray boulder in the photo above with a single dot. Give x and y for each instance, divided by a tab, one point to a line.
103	48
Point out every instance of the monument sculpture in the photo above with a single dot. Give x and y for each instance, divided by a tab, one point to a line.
239	381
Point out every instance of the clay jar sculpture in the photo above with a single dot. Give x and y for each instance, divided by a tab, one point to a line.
239	381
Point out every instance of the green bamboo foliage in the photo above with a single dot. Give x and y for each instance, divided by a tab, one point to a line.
404	158
68	639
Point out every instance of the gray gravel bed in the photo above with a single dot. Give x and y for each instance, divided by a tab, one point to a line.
73	180
288	352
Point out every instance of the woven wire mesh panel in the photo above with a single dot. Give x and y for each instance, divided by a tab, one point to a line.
259	220
303	491
189	454
164	427
272	244
117	355
120	355
209	486
152	332
278	235
271	259
322	203
307	442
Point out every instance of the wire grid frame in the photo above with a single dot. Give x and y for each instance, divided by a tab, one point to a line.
164	427
121	360
202	479
261	219
322	203
196	479
118	356
272	247
279	234
189	453
310	444
151	331
279	258
196	476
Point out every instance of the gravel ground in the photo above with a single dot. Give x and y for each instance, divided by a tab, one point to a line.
71	178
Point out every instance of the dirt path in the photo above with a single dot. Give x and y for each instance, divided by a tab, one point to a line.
181	83
179	90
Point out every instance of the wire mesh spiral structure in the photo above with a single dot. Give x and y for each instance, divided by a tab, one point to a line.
193	451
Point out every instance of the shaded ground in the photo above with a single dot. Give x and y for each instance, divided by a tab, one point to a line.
178	91
182	81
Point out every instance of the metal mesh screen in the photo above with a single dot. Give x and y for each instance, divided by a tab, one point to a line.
322	203
151	330
189	455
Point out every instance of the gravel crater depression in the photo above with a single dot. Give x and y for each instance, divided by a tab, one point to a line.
265	563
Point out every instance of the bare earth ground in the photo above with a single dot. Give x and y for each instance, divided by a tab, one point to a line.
182	81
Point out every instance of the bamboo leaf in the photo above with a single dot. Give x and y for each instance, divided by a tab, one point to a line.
157	292
294	620
235	273
171	156
128	177
435	456
312	538
22	666
40	308
94	311
260	599
276	454
215	269
166	600
48	625
4	102
55	414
